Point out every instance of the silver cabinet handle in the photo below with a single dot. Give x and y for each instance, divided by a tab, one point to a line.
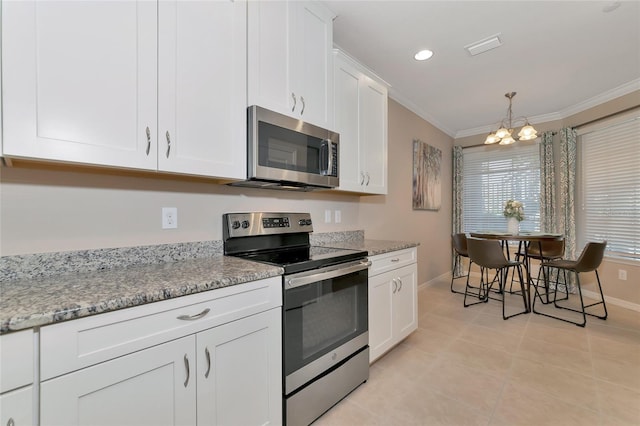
368	178
395	286
11	422
303	105
397	259
186	365
148	140
400	281
293	95
208	356
194	317
361	178
168	143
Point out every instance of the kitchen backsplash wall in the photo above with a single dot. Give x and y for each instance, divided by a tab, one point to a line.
61	208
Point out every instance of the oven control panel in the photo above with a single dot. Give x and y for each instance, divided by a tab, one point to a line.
275	222
253	224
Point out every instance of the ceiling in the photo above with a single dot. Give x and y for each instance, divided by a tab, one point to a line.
561	57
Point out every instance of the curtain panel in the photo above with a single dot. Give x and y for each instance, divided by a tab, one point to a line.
547	185
457	224
567	190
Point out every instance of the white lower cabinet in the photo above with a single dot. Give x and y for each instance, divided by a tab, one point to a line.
16	407
239	366
393	300
155	386
213	358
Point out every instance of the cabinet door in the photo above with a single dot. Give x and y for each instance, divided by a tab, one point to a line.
269	56
80	81
202	88
312	60
239	372
155	386
17	406
405	302
381	293
347	119
373	135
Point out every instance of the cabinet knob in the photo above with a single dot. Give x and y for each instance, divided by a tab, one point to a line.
168	143
208	356
193	317
148	140
186	366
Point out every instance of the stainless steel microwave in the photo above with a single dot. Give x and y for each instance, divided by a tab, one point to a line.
286	153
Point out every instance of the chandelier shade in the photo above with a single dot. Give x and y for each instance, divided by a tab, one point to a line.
504	134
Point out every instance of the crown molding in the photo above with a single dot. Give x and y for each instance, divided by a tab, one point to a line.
609	95
396	96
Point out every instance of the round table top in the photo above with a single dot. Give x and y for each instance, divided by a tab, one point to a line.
522	236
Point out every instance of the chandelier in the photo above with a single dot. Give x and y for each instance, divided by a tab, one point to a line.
504	133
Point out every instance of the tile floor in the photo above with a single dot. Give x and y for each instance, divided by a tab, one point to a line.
467	366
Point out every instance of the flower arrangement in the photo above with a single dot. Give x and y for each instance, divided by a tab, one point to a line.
514	209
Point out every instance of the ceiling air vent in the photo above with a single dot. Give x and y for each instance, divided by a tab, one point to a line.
484	45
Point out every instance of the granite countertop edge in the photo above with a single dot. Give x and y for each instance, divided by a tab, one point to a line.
32	302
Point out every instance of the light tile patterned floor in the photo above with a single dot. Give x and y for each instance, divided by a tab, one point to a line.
467	366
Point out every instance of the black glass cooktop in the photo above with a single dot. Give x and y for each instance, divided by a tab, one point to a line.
300	259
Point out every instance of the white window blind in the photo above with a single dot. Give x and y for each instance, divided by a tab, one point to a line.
610	186
491	176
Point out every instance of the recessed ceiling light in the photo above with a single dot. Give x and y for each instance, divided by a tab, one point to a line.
423	55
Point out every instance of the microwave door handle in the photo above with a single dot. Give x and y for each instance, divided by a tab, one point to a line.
330	155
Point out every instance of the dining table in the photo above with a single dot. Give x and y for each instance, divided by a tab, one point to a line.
524	239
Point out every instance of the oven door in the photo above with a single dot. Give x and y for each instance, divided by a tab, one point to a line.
325	320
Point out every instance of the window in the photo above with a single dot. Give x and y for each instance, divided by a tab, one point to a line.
493	175
610	188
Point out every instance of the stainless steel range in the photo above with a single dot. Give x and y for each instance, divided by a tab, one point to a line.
325	308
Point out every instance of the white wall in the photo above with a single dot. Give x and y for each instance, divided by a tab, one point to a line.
60	208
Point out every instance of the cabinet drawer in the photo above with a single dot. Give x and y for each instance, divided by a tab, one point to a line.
16	359
87	341
388	261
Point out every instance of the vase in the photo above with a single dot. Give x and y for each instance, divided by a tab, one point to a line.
513	226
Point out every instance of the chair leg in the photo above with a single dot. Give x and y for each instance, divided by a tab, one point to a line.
480	294
522	289
457	261
582	305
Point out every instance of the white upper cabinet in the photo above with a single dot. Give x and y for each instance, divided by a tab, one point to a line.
111	82
202	81
290	61
361	120
80	81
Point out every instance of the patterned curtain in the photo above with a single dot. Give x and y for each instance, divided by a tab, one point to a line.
457	225
567	215
547	185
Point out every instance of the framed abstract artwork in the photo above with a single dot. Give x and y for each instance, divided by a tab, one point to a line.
427	192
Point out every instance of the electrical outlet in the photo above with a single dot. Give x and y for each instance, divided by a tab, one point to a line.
338	216
169	217
622	274
327	216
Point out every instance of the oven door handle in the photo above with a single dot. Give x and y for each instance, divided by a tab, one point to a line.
332	272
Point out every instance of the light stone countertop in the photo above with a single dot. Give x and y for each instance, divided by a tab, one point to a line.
373	247
26	303
29	297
